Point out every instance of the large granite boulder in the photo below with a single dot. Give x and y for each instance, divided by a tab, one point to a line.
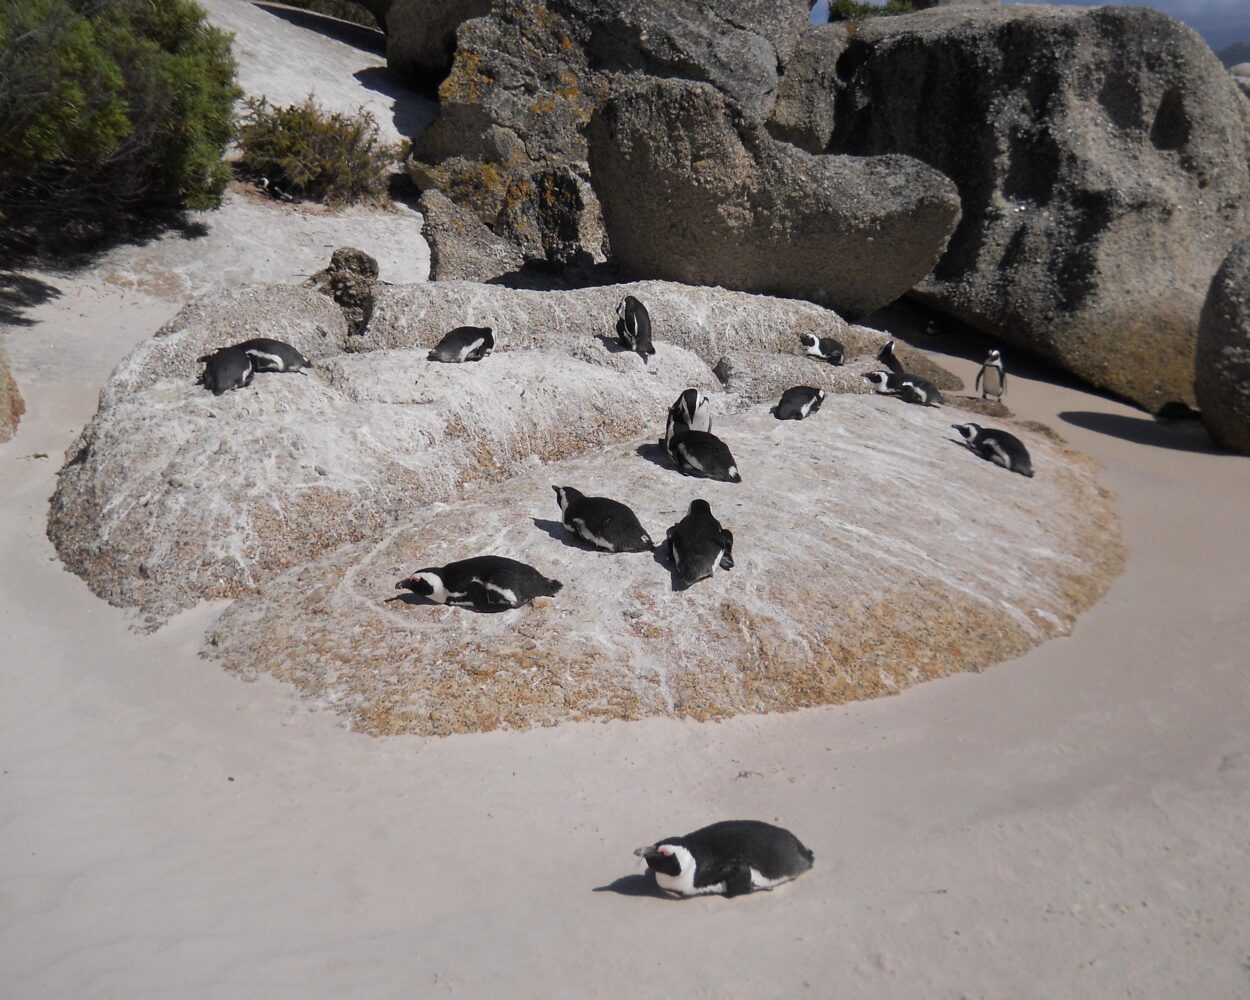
859	570
507	144
421	34
462	247
1100	157
1222	384
11	405
696	191
172	495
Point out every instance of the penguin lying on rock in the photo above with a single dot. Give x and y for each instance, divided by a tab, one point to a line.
464	343
998	447
734	857
799	402
633	327
606	524
825	348
233	367
690	443
697	544
484	583
268	355
909	388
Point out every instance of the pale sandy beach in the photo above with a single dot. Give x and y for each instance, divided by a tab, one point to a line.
1073	823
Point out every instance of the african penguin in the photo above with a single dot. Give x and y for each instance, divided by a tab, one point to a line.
604	523
691	412
697	544
226	368
887	358
633	326
994	377
464	343
734	857
700	453
269	355
910	388
484	583
998	447
822	347
798	402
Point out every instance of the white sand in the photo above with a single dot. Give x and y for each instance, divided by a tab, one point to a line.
1072	824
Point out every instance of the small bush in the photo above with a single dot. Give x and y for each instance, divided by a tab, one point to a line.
109	106
850	10
304	150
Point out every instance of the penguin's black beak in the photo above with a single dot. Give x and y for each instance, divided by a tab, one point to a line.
647	852
403	585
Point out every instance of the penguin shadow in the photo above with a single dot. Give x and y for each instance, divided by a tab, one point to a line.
612	344
417	601
638	885
657	455
556	530
663	555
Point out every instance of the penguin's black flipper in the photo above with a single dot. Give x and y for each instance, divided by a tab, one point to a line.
727	558
738	880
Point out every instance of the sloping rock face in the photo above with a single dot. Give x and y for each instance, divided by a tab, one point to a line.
508	144
1100	158
1223	380
11	404
462	248
867	558
695	191
172	495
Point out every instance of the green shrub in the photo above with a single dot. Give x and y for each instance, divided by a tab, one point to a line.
344	10
307	151
111	105
850	10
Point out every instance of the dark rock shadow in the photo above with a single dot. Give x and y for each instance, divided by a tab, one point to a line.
357	35
637	885
19	292
539	276
413	109
1178	435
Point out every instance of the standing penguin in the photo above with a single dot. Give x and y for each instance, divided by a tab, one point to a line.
226	368
734	857
484	583
464	343
268	355
691	412
698	544
604	523
909	388
992	378
886	357
799	402
998	447
825	348
633	326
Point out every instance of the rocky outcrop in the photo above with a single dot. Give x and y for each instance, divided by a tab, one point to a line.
1241	76
352	281
462	248
694	191
172	495
507	144
11	404
1222	384
421	34
1100	157
858	571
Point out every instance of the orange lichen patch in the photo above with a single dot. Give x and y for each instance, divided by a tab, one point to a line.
466	83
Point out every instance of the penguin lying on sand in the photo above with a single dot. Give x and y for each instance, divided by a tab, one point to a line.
734	857
825	348
994	377
697	544
268	355
998	447
464	343
799	402
226	368
910	388
484	583
633	327
604	523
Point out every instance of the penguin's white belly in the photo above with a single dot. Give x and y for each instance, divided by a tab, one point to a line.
683	884
993	382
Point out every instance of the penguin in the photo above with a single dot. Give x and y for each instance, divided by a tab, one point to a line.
697	544
701	453
605	524
822	347
484	583
799	402
633	327
733	857
691	412
269	355
887	358
998	447
910	388
993	375
464	343
226	368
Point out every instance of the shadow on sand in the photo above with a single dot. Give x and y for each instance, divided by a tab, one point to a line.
1178	435
637	885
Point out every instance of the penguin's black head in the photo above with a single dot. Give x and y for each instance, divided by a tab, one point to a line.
807	339
565	495
995	354
968	431
877	378
886	351
420	583
661	858
700	507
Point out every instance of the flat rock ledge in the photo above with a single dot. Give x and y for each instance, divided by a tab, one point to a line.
872	552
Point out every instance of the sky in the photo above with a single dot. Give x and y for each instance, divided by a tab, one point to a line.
1221	22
